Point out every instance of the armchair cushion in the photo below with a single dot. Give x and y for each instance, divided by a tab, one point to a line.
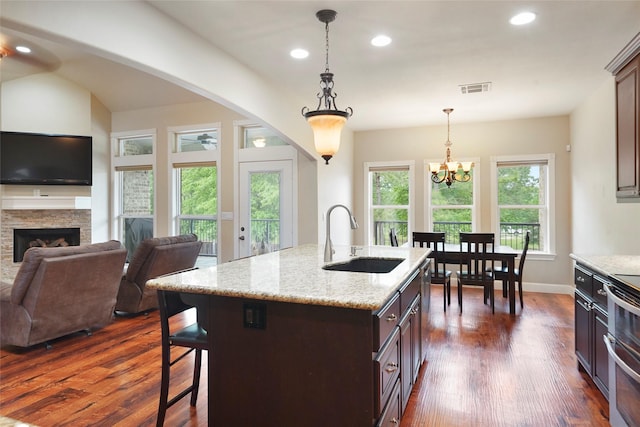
154	257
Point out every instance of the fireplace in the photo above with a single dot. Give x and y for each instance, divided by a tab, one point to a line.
25	238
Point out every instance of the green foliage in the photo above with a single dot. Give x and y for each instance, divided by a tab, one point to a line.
199	188
517	186
265	195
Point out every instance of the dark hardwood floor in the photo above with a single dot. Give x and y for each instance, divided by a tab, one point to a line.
482	370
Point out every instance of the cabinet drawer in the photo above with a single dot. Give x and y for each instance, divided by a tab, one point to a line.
408	293
386	370
582	279
391	415
384	320
599	292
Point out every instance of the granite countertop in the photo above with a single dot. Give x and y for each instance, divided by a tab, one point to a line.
295	275
610	264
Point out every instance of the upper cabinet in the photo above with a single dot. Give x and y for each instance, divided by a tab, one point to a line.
626	69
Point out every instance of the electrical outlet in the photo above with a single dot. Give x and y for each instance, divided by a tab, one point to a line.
254	315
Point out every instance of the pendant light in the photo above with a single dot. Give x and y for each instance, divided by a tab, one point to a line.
326	121
447	171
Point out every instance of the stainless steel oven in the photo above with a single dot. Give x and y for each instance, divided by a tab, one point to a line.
623	345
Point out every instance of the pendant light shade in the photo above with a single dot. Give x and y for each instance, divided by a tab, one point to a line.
327	129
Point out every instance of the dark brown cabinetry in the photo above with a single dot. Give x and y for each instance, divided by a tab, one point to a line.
398	361
591	325
628	130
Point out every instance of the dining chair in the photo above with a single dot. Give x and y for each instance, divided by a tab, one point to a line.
476	268
192	337
439	273
393	238
502	273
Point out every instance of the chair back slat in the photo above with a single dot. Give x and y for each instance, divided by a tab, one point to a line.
473	244
435	242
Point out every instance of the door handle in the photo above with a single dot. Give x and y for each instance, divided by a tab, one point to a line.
241	237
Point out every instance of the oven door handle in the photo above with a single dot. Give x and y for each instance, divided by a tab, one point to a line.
609	340
620	302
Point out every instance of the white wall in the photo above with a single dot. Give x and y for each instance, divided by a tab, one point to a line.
601	225
46	103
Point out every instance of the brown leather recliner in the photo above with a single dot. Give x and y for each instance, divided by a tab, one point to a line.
154	257
58	291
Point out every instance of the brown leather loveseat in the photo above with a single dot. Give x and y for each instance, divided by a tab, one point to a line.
58	291
152	258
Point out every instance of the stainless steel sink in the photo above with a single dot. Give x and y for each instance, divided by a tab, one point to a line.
366	265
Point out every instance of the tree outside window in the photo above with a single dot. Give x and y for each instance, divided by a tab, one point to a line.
389	204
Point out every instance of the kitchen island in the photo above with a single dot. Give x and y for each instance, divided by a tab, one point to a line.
293	344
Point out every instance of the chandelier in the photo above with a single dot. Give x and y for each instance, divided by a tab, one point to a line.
326	121
447	171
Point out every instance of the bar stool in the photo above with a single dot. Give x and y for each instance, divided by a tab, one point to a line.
192	337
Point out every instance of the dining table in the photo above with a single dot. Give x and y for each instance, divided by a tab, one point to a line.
505	255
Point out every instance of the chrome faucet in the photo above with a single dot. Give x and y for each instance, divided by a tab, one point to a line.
328	246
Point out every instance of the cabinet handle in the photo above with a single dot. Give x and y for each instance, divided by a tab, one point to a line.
580	279
394	421
391	367
585	306
391	318
601	292
415	311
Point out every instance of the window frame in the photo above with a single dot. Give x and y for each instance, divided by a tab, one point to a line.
368	217
178	159
513	160
477	200
130	162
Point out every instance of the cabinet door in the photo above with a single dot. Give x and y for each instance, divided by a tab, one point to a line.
628	130
600	355
583	331
405	359
416	356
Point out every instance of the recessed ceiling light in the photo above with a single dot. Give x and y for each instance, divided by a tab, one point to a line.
381	40
299	53
523	18
23	49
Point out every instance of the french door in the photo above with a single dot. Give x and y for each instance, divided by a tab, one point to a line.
266	207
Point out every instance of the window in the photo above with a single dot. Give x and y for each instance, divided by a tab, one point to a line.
453	209
523	195
259	137
134	198
389	200
193	162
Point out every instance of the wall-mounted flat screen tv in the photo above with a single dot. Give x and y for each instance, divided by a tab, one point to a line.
41	159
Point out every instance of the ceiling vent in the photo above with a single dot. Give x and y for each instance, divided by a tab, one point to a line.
475	88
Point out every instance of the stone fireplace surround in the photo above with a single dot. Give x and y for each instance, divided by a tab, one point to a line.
33	212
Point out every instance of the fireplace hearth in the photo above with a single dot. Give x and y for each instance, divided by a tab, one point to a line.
25	238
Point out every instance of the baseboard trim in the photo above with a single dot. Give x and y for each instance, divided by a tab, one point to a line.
548	288
545	288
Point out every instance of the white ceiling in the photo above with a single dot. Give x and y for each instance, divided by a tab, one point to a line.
546	68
